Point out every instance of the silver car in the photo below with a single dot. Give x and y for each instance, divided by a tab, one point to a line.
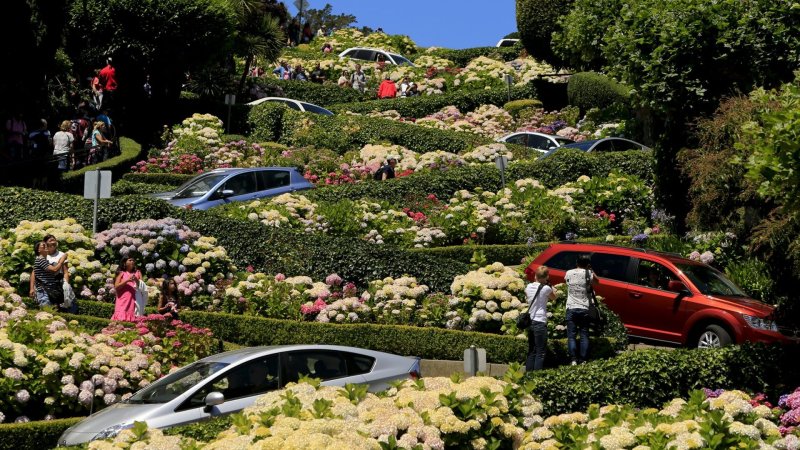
229	382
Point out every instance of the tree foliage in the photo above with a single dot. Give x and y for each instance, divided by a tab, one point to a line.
536	22
325	19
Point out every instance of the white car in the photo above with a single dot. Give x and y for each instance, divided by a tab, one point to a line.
294	104
229	382
539	141
507	42
375	55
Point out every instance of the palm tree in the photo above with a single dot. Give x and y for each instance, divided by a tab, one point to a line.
258	35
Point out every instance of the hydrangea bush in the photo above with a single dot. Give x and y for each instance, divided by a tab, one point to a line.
52	368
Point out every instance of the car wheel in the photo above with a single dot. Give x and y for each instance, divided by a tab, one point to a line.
714	336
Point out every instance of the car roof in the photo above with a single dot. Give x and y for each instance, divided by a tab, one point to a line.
554	136
237	355
368	48
231	170
269	99
619	249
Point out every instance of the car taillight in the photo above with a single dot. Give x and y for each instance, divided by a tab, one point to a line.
188	206
414	375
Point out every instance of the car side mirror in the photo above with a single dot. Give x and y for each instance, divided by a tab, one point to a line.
213	399
678	287
225	193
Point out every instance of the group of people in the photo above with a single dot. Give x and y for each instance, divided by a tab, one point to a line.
49	285
580	282
298	73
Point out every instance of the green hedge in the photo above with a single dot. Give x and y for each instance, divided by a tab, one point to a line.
34	435
588	90
130	152
562	167
653	377
537	20
462	57
125	187
172	179
416	107
326	132
185	107
515	107
510	255
319	94
427	343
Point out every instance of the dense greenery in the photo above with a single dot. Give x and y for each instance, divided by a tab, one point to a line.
130	152
424	342
652	377
462	57
33	435
537	20
417	107
588	90
319	94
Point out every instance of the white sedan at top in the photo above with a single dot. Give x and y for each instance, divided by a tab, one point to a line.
297	105
539	141
375	55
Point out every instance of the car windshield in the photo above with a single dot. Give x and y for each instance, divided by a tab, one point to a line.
171	386
200	185
564	141
710	281
584	145
399	60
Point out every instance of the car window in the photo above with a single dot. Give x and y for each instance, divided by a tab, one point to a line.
244	183
173	385
564	141
292	105
605	146
540	142
621	145
254	377
270	179
563	261
399	60
520	139
710	281
349	53
360	364
380	57
322	364
364	54
200	186
614	267
654	275
316	109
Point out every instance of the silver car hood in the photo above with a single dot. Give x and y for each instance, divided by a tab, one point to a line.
117	414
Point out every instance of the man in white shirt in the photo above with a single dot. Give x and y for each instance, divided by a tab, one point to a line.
53	256
577	281
537	294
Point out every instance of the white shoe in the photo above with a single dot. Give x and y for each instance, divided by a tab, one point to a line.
574	363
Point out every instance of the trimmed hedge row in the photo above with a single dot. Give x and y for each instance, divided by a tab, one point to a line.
652	377
462	57
125	187
267	249
293	128
130	152
34	435
510	255
319	94
562	167
417	107
427	343
172	179
588	90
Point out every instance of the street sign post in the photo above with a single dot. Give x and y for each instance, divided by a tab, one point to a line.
501	162
96	185
474	360
230	100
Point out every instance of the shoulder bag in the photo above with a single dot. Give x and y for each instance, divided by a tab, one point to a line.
594	314
524	320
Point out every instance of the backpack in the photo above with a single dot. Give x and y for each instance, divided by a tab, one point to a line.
378	175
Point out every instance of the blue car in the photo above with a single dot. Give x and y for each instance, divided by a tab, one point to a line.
222	186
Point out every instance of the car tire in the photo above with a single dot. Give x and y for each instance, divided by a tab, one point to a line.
714	336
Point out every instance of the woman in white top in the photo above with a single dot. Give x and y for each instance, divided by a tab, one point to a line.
537	294
62	144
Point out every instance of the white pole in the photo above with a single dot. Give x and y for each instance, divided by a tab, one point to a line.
96	200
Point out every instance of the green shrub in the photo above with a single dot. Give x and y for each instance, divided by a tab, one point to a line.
537	20
319	94
125	187
509	255
753	276
562	167
515	107
34	435
267	121
238	117
462	57
424	342
589	90
417	107
302	130
130	152
204	431
172	179
652	377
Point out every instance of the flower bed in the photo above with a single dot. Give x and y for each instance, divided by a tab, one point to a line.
51	368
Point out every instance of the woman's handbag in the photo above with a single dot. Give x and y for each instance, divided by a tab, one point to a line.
524	321
593	313
141	298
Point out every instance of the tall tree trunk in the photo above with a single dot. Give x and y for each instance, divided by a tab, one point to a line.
242	80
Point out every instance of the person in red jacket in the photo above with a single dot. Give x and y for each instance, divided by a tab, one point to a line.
387	89
108	76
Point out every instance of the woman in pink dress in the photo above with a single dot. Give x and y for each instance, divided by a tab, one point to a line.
125	285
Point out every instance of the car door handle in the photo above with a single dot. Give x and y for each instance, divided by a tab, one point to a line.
635	294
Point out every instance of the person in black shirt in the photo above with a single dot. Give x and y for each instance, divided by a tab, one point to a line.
43	279
387	170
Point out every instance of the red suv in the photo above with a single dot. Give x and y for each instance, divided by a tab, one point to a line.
665	297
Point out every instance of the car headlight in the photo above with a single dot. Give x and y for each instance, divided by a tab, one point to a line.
759	323
111	432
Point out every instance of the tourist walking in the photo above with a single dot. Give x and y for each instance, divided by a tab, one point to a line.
537	294
579	281
125	285
63	144
358	79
